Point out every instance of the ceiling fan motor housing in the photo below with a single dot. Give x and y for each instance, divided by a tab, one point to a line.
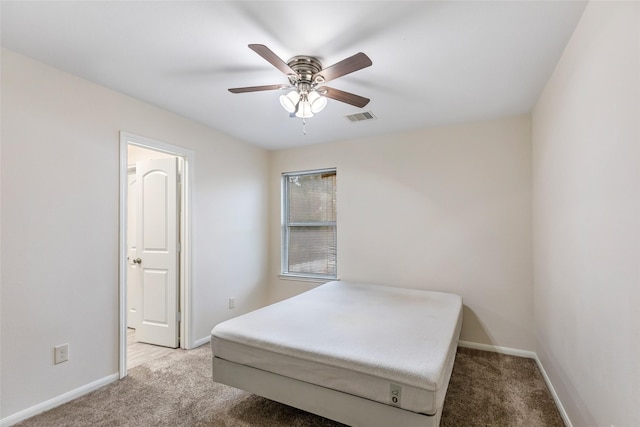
305	67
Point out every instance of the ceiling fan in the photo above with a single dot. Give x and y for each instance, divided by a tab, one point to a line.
306	75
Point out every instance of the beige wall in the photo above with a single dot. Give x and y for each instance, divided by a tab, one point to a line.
446	209
60	166
586	198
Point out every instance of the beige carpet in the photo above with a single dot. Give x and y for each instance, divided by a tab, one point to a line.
486	389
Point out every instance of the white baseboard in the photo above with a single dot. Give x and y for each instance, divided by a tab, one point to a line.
497	349
528	355
201	341
57	401
563	413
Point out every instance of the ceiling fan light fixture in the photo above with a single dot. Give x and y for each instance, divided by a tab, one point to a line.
304	109
317	101
289	101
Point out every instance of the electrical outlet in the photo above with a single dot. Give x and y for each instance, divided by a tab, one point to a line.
232	303
61	353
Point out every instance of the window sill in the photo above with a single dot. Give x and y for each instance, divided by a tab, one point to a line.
301	278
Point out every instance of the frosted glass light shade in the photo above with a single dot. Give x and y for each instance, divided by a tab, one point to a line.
304	109
289	101
317	101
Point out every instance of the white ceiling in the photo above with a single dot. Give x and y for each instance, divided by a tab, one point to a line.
434	63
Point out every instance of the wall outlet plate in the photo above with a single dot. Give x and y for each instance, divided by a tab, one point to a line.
61	353
232	303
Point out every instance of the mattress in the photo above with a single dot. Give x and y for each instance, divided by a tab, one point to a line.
391	345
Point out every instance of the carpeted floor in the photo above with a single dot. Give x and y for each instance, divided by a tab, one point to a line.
486	389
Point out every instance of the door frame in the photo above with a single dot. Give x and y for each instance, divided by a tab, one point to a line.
185	257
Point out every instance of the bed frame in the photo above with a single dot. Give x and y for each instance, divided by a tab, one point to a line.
328	403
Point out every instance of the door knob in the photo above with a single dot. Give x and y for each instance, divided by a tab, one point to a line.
137	261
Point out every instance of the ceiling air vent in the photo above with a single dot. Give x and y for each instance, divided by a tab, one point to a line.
360	117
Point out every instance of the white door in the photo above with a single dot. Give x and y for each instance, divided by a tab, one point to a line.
134	290
157	251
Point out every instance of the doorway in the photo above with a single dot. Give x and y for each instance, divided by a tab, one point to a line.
155	255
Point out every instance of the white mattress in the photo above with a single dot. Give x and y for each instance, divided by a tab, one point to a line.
366	340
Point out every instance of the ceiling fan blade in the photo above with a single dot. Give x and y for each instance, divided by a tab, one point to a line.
342	96
344	67
272	58
256	88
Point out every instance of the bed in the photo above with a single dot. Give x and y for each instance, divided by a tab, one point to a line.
360	354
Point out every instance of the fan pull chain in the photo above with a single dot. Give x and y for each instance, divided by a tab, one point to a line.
304	126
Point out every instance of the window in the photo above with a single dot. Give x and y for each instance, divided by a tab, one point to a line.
309	224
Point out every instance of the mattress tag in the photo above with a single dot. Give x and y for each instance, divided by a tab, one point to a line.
395	394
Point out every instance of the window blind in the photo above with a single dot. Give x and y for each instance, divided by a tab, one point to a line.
310	224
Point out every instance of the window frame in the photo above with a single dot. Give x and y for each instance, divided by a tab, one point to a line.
286	225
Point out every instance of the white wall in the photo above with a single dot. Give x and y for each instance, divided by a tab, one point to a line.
445	209
586	192
60	165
